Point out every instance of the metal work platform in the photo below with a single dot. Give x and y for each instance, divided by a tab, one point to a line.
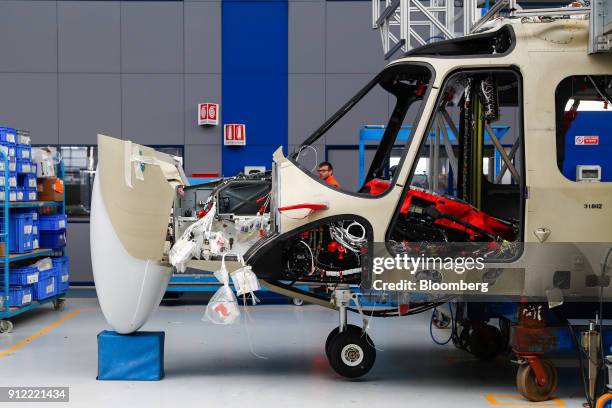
407	24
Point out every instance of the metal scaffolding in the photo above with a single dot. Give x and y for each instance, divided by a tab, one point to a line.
407	24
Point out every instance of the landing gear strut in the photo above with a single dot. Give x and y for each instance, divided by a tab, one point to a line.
349	349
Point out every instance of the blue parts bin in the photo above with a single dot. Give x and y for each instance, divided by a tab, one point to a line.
25	275
18	296
52	239
62	265
23	152
8	135
52	230
46	285
52	222
131	357
20	232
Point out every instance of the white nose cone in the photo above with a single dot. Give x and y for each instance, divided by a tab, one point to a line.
129	289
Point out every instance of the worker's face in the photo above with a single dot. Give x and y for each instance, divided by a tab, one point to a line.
324	172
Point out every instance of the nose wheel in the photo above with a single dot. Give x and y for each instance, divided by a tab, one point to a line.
350	353
349	349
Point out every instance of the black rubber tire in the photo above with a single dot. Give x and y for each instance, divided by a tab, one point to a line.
528	386
485	342
333	333
59	305
351	345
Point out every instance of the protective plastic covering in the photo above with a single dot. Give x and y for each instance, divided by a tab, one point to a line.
223	306
190	244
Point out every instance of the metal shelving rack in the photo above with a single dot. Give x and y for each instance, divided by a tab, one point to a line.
6	258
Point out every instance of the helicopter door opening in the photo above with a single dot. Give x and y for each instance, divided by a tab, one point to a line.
467	182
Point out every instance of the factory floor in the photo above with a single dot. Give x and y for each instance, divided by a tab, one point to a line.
214	366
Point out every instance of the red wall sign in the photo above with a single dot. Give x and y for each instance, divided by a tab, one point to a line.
208	114
586	140
234	135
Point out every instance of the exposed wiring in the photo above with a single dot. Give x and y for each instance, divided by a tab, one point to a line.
431	323
312	261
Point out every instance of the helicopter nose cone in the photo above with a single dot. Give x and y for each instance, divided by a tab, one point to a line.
129	289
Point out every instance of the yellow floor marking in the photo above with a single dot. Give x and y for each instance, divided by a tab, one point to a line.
38	334
521	402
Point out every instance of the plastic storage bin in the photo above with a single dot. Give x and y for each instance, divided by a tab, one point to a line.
23	152
4	148
12	180
13	194
63	276
46	286
8	135
19	295
20	193
24	166
20	232
12	165
56	222
26	275
35	232
27	180
52	239
31	194
33	169
23	137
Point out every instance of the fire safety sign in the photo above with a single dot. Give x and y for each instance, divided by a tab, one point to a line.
234	135
208	114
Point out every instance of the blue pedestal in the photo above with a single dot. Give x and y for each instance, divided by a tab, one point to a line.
132	357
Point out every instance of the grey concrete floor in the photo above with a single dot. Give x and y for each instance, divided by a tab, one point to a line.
213	366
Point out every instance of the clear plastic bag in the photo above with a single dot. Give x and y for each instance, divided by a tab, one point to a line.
222	308
44	264
245	281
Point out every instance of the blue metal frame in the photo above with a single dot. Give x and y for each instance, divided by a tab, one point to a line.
7	259
374	133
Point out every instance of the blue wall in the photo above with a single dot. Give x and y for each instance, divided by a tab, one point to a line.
254	82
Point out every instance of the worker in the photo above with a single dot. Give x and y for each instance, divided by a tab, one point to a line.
326	173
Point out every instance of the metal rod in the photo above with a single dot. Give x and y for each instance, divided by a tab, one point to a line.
449	147
515	147
502	152
432	18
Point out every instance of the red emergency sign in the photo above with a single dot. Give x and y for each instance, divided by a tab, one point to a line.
208	114
234	135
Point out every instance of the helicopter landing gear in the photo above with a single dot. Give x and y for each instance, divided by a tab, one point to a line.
349	349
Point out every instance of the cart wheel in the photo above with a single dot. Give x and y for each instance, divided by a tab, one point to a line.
485	341
528	386
605	401
6	326
298	301
351	353
333	333
59	304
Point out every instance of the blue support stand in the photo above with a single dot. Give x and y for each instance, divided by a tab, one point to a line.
131	357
